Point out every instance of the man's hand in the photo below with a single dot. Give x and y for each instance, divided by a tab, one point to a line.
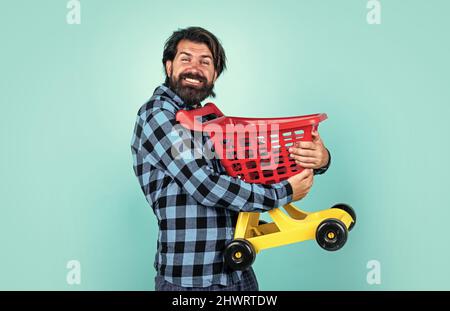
301	184
310	154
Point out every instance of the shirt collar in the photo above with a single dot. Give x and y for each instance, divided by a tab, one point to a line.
164	91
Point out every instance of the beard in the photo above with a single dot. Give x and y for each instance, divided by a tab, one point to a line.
190	94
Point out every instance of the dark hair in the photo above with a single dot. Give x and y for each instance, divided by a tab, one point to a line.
198	35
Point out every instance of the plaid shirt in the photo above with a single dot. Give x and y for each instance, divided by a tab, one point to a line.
195	201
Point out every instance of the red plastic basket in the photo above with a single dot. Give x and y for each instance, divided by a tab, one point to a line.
253	149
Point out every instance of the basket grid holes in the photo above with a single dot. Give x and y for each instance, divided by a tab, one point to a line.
253	172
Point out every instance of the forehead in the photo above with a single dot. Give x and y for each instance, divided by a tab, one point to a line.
194	48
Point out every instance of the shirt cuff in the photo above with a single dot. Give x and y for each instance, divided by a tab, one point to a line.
284	192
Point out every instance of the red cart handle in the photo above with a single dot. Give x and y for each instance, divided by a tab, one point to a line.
193	118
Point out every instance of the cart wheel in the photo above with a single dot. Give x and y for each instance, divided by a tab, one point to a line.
348	209
239	254
331	234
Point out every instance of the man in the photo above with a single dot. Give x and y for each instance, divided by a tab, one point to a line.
195	202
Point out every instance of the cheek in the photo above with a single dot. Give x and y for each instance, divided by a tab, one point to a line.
177	69
210	75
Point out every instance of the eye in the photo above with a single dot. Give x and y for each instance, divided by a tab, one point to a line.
185	59
206	62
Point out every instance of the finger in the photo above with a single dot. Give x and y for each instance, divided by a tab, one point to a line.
304	174
302	152
306	145
315	136
308	181
306	165
304	159
311	180
309	172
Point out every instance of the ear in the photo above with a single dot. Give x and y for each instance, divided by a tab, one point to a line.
169	68
215	76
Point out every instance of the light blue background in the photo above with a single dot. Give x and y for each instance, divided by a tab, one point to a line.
70	93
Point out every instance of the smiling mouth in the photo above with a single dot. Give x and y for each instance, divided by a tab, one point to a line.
192	81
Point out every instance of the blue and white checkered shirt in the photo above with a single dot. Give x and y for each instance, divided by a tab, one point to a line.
195	202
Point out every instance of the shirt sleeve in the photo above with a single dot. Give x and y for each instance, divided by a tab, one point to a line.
159	139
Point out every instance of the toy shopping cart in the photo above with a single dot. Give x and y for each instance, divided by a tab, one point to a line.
256	150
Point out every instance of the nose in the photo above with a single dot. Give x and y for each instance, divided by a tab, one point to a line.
194	69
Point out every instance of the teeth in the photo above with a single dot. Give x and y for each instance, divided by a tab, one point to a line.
192	80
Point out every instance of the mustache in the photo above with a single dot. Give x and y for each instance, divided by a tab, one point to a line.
191	75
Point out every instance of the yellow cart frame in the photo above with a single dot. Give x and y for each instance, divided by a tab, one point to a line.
297	227
328	227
